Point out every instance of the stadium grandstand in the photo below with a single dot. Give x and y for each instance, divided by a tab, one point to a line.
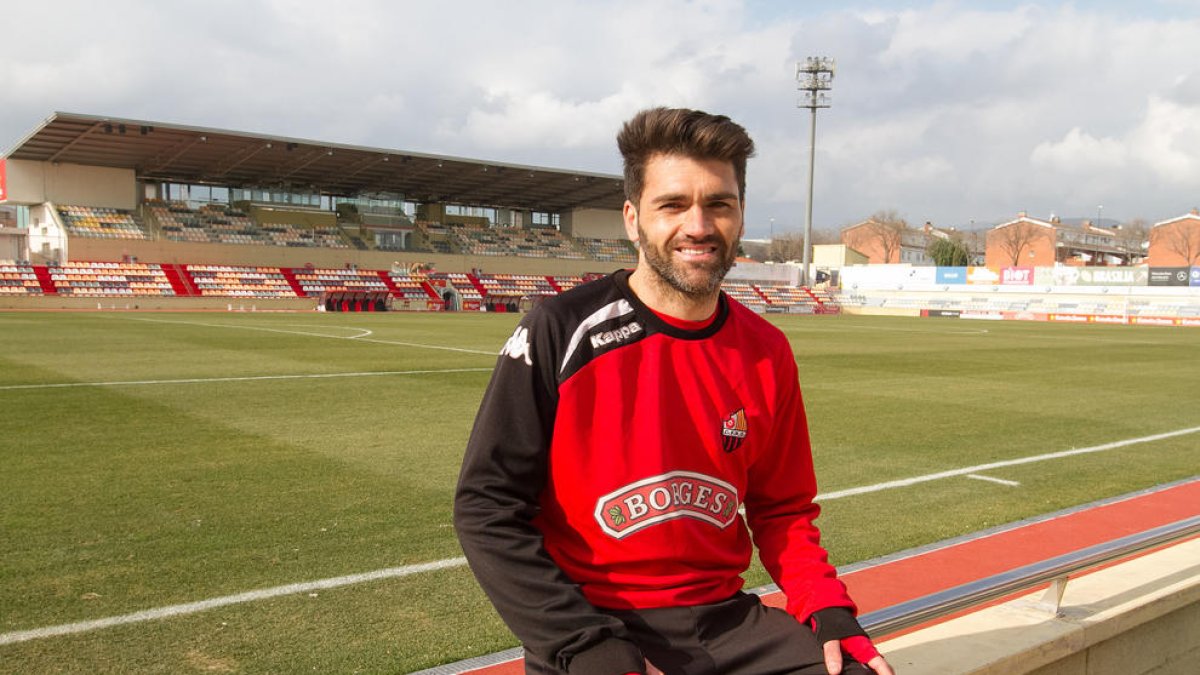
174	216
95	210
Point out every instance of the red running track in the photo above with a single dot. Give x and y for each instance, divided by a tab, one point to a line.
900	580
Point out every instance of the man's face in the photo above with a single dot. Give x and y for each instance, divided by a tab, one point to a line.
688	222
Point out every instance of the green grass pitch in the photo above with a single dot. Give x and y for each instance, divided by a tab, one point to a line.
149	460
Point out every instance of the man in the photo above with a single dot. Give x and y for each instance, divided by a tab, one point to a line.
627	422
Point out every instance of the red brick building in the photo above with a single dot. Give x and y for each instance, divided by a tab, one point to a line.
1176	242
1032	242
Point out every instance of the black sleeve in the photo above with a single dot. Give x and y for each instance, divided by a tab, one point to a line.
502	476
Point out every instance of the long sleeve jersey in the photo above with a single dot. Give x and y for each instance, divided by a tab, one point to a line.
608	463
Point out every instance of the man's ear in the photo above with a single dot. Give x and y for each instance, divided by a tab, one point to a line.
629	214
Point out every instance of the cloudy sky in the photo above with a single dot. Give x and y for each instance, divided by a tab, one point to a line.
951	112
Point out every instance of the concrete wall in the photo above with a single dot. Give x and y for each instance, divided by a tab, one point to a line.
47	239
12	244
1140	617
164	251
37	182
595	223
51	302
836	256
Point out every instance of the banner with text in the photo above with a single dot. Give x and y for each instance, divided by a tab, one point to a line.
1016	276
1169	276
1101	276
952	275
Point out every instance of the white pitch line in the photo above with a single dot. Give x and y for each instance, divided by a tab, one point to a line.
192	607
1001	481
247	378
906	482
204	605
321	335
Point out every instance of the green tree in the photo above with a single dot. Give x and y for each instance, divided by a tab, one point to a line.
949	252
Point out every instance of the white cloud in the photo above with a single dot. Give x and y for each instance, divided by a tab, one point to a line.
1080	152
941	110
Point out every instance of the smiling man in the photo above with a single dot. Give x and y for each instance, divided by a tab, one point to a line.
627	423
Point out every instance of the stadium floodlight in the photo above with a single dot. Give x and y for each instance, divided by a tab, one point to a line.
814	79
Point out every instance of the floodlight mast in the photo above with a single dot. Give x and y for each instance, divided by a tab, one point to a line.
814	79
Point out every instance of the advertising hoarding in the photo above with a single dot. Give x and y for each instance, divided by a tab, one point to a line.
952	275
1113	276
1016	276
1169	276
981	275
921	275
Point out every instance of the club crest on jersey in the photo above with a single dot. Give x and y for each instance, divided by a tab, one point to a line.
678	494
734	430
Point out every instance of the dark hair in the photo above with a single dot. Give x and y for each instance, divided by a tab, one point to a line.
680	131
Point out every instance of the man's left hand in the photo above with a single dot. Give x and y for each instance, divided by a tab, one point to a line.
860	649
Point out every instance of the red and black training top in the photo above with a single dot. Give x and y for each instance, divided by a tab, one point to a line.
608	463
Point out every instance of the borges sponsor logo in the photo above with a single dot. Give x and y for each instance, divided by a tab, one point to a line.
617	335
678	494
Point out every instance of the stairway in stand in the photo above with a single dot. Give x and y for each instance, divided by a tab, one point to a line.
43	277
290	275
391	285
179	279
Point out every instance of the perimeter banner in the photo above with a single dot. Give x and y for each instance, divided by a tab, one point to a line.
1169	276
1196	276
1016	276
3	179
1113	276
981	275
952	275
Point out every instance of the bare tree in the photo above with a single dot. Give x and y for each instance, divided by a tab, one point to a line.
1016	238
883	232
826	236
976	243
1133	235
786	247
1181	238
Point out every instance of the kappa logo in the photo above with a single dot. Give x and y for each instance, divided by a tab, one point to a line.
734	430
678	494
517	347
618	335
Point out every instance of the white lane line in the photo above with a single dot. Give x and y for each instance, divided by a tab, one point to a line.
1001	481
204	605
906	482
888	329
321	335
248	378
175	610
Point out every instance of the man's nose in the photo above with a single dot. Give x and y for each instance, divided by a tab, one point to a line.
697	222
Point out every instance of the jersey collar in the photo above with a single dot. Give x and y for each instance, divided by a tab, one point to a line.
661	325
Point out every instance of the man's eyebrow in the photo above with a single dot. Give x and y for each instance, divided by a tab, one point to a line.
679	196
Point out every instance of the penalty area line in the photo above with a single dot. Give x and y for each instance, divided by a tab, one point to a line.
249	596
291	589
978	468
246	378
353	338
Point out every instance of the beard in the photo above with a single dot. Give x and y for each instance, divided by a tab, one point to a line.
696	281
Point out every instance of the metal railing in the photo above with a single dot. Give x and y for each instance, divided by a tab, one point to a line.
1056	570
